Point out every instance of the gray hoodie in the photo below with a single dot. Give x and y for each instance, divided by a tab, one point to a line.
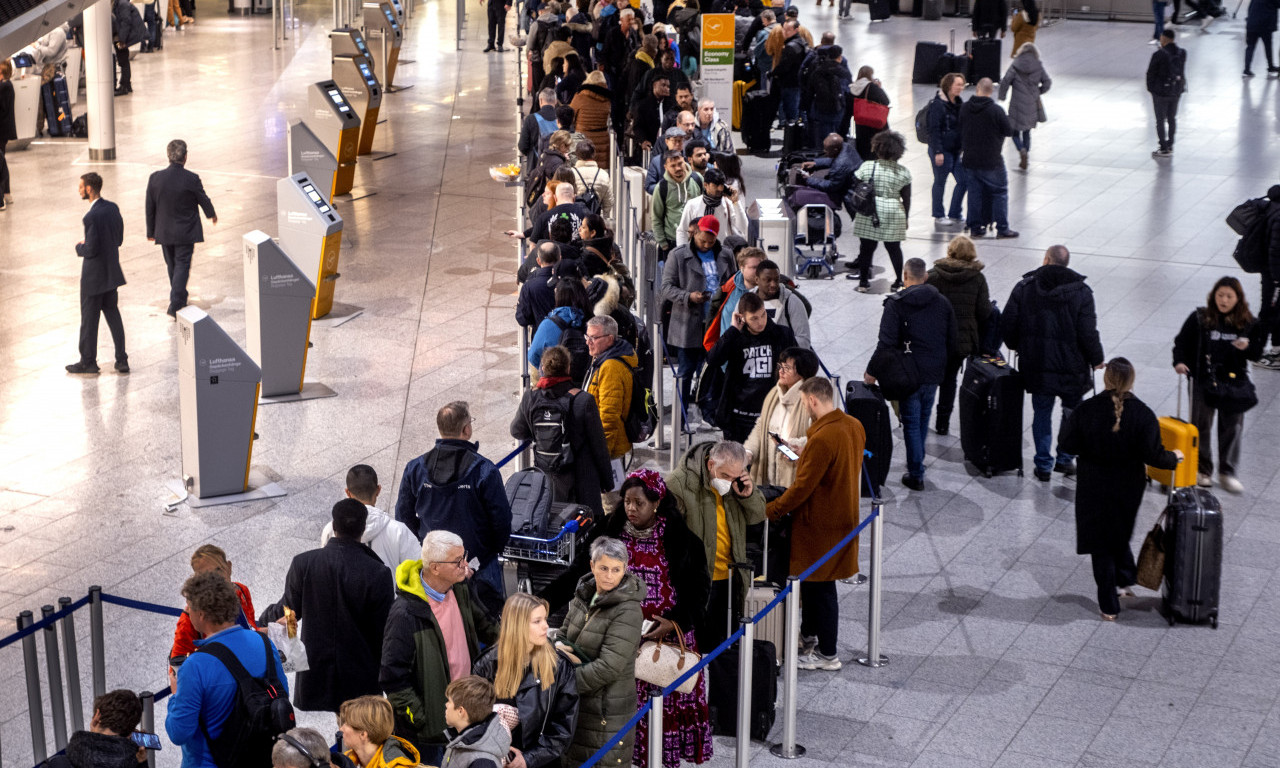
482	745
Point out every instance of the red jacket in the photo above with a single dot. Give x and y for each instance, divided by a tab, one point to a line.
185	635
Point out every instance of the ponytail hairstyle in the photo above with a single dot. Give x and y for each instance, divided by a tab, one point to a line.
1118	380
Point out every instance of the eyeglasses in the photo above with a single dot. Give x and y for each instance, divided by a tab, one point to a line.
786	367
597	337
459	563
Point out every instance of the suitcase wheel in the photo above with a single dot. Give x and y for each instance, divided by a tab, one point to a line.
1171	618
1020	473
813	272
1213	621
987	473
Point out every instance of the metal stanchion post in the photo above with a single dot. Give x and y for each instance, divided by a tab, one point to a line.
873	657
677	422
149	721
35	708
275	23
72	659
655	728
57	706
788	748
745	645
655	341
96	642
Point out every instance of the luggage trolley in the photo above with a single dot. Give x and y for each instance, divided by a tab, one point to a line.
540	561
818	233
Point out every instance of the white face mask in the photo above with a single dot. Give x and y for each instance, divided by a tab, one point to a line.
721	485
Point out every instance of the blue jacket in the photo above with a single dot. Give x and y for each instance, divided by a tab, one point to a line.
453	488
207	691
731	301
548	333
943	123
839	180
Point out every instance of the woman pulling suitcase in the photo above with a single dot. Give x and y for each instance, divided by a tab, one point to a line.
1114	436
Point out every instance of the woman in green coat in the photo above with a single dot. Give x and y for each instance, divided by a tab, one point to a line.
602	634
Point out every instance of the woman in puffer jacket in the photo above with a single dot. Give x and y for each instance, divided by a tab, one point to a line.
959	277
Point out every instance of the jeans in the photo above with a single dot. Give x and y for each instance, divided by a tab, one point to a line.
177	258
1251	42
688	360
991	184
1042	429
1166	119
950	167
1022	140
820	614
1157	10
1230	427
104	305
1110	570
947	395
789	104
914	410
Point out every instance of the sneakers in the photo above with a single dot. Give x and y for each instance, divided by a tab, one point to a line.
1163	153
1204	481
863	288
1230	484
1269	360
808	645
1248	73
816	660
83	369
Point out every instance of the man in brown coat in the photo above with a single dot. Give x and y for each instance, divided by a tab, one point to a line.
823	504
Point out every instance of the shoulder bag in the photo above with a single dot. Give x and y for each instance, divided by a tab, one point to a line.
1229	392
862	197
661	663
893	367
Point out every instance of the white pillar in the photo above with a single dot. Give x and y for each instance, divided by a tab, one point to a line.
100	81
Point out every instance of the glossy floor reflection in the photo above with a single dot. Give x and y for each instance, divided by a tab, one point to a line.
998	658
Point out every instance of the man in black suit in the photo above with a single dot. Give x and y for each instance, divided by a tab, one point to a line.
173	221
100	276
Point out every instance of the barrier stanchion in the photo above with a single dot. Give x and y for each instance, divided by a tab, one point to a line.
35	708
96	642
149	722
72	660
655	728
655	334
874	657
788	748
677	422
57	706
743	748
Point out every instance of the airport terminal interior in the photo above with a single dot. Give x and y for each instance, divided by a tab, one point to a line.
997	655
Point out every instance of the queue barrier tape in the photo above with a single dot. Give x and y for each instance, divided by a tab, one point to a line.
519	449
141	605
44	622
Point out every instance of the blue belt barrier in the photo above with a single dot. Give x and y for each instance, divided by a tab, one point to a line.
142	605
44	622
519	449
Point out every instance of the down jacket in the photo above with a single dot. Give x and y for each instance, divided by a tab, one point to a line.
591	105
547	718
609	381
1027	77
1050	321
963	284
608	632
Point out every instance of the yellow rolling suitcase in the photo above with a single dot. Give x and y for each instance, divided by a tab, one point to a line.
1183	436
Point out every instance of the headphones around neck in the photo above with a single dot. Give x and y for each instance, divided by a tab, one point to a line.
312	760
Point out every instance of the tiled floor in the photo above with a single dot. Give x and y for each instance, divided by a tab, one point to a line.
998	658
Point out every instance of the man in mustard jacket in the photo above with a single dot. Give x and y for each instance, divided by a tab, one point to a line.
608	380
823	504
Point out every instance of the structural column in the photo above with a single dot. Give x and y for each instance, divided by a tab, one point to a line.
100	80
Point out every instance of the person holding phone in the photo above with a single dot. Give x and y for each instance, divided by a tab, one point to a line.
111	741
783	421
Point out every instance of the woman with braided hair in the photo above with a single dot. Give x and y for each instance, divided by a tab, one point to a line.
1114	436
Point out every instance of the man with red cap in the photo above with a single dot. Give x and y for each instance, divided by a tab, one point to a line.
692	274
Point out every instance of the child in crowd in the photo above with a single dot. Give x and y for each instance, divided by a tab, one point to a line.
477	737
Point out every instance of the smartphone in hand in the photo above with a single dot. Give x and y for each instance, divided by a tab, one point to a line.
783	448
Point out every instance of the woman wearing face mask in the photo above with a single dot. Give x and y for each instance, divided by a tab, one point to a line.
601	635
534	683
1115	436
1214	346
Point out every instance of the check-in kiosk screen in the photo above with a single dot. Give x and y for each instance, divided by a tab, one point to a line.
336	95
364	49
367	73
391	17
319	202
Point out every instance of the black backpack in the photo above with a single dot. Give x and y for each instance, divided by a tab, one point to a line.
922	123
826	83
1251	250
642	413
574	339
589	198
550	417
261	711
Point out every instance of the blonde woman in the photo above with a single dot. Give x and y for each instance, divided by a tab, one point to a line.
366	724
782	414
535	679
209	558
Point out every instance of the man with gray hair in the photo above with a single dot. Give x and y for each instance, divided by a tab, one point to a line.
538	125
609	381
453	488
714	492
175	198
301	748
432	637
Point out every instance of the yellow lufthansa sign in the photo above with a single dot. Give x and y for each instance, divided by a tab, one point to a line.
717	30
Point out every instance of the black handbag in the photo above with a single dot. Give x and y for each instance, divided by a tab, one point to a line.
1230	394
894	368
862	198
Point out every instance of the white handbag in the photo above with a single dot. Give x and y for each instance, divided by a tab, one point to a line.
662	663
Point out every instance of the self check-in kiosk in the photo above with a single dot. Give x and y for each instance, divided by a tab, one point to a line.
380	19
218	387
354	75
311	233
346	41
278	296
332	118
309	155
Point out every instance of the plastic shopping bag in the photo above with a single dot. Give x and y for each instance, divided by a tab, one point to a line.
293	654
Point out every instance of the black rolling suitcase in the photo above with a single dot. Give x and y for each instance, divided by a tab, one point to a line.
880	9
932	10
795	136
991	396
1193	556
722	690
928	54
865	403
984	58
758	110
